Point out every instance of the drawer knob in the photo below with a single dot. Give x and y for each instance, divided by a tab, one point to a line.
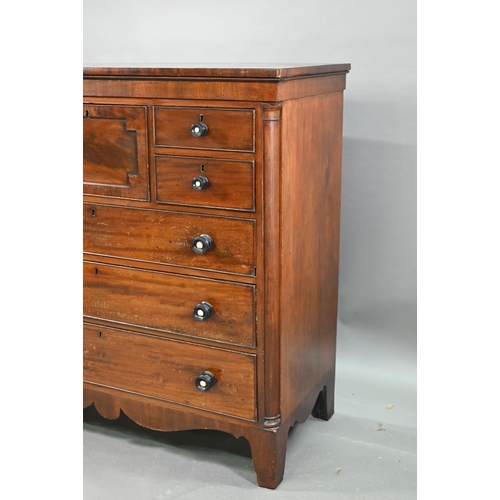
202	244
199	183
199	129
203	311
205	381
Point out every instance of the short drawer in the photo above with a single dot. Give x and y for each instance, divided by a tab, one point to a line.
115	151
168	303
170	238
227	129
167	370
205	182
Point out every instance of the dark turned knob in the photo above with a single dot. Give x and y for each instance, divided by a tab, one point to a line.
203	311
202	244
199	129
205	381
199	183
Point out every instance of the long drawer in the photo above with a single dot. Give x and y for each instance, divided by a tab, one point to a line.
169	237
167	370
169	303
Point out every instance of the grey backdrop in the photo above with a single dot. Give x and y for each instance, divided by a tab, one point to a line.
377	308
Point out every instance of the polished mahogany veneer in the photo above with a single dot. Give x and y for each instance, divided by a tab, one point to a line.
231	183
211	248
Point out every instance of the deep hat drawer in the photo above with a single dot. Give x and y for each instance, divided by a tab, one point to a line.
115	151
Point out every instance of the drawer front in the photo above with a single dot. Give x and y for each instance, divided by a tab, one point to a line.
167	238
165	303
229	184
167	370
228	129
115	152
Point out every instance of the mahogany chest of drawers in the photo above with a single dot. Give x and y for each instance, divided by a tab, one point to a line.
211	244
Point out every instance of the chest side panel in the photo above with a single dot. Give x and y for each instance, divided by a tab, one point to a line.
311	177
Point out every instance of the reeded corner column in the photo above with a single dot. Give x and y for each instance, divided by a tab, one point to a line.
272	252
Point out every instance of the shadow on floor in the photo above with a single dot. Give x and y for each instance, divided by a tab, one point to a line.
201	439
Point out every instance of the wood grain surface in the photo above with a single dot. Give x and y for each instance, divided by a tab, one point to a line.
166	237
115	151
167	369
273	155
228	129
165	302
231	183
